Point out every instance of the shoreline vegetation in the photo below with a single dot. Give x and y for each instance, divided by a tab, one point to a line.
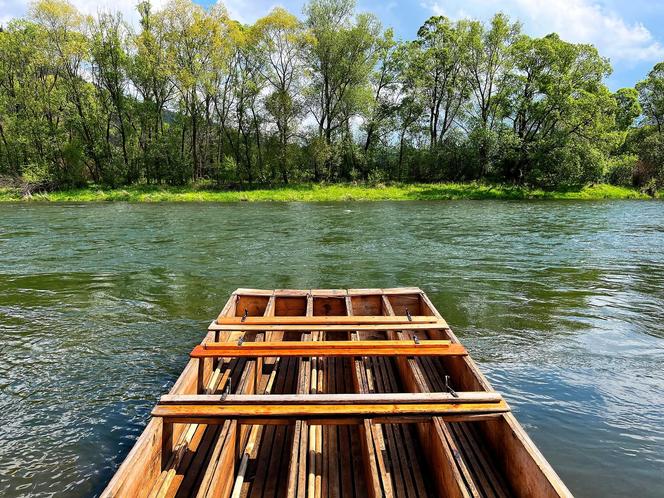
313	192
182	94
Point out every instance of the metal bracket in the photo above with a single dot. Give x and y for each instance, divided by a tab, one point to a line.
416	339
240	341
245	315
410	318
449	388
227	391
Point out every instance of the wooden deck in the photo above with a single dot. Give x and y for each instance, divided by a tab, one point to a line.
331	393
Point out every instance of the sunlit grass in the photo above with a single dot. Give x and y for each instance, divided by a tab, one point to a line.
325	193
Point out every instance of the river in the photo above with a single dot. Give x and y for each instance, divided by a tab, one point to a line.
561	303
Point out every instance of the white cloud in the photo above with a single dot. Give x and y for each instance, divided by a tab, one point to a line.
249	11
10	9
580	21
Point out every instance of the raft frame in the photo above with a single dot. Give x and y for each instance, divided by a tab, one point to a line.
482	451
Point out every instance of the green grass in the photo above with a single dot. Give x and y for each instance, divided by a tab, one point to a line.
325	193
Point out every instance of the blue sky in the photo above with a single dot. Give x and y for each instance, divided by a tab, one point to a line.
630	33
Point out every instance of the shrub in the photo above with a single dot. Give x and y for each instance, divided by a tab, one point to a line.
650	169
620	170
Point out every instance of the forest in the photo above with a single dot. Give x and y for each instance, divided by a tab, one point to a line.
189	95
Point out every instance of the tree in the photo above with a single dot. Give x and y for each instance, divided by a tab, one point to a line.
384	87
149	71
109	69
32	99
439	68
67	46
191	36
340	58
491	61
651	96
556	96
410	101
281	41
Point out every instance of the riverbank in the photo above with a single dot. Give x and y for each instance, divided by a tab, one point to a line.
324	193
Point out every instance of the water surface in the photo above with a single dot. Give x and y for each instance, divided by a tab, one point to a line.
561	303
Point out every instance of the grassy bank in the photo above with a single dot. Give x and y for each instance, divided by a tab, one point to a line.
321	193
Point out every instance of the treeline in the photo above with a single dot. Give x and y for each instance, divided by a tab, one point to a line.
191	95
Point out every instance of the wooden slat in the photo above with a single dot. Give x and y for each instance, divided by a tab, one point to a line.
393	448
307	327
449	479
255	433
327	348
375	344
306	410
330	399
358	420
324	320
372	459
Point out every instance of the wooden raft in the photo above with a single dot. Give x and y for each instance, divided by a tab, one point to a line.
330	393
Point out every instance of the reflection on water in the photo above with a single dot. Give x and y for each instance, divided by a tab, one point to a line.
561	303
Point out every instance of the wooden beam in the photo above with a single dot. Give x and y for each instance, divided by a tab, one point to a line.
330	399
327	348
359	421
321	411
324	320
305	327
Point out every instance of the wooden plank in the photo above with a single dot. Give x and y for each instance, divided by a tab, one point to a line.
320	387
374	466
450	479
341	420
324	320
330	399
255	433
270	445
395	290
464	444
375	344
220	473
288	444
391	443
410	467
327	348
188	485
510	452
304	327
217	473
334	475
297	476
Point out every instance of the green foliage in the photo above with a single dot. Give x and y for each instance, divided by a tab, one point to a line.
628	107
620	170
340	192
650	169
651	96
193	96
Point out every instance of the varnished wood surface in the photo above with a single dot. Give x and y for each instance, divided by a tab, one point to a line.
360	423
324	320
330	399
328	348
324	410
344	328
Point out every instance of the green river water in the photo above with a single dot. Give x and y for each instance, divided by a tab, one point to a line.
561	304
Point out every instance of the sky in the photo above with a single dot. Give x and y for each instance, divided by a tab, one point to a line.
629	32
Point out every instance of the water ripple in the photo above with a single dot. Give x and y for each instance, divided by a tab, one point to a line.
562	304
